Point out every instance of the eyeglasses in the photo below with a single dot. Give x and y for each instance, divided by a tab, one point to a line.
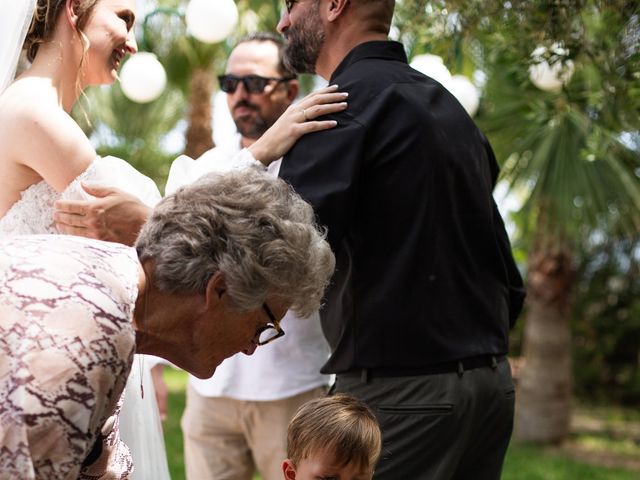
252	83
289	4
269	332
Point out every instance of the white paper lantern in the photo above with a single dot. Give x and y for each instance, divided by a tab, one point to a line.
143	78
432	66
550	78
211	21
466	93
459	85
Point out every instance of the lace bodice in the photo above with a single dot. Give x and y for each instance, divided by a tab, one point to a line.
33	213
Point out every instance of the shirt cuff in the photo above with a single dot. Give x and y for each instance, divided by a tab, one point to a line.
244	159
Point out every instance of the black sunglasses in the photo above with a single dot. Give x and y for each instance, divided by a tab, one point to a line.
252	83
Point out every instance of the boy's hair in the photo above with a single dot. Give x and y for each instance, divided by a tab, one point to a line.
340	425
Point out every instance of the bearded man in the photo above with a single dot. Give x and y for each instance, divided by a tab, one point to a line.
426	288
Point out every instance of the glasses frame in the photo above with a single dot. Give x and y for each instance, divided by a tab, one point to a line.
245	82
275	324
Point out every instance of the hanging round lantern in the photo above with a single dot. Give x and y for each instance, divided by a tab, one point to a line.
432	66
550	77
465	92
143	78
211	21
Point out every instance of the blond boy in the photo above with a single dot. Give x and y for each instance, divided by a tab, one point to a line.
332	438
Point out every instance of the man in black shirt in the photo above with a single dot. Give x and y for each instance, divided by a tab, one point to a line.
426	287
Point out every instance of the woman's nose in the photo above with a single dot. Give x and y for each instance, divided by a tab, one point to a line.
131	45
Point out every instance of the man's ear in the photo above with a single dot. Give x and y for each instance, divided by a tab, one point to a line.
336	8
289	470
216	288
71	11
293	88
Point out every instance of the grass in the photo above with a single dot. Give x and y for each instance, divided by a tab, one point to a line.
536	463
176	383
600	434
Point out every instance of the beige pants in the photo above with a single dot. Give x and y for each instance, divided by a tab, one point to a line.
227	439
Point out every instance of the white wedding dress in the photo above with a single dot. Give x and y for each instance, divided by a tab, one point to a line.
140	426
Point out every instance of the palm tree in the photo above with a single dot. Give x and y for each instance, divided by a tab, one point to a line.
132	131
190	66
563	153
564	150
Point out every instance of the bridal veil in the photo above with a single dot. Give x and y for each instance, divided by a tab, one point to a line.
14	25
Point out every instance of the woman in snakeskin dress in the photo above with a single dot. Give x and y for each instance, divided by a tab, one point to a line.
206	280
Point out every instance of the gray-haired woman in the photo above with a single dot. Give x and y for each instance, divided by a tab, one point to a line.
215	268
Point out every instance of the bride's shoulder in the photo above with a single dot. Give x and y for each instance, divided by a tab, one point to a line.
29	107
38	133
36	113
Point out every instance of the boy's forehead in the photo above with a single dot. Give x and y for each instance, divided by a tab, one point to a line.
325	464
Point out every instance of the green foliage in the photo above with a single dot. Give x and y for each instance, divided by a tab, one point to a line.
606	323
564	147
561	151
132	131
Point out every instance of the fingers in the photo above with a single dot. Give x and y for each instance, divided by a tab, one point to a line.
78	218
327	89
78	207
70	219
316	126
98	190
320	110
324	98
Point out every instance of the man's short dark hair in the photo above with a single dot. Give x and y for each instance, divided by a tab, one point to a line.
277	40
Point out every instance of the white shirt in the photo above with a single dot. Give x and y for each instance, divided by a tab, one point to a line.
286	367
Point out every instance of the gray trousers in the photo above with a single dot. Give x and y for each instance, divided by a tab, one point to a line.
440	427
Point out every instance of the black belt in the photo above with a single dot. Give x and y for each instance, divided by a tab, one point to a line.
456	366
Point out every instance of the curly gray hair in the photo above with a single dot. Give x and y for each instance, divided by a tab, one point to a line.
248	225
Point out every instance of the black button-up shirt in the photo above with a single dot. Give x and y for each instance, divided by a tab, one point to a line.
424	270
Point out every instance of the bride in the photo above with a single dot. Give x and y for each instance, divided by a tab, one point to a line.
71	45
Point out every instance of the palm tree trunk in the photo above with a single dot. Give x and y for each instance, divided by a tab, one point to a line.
200	131
543	402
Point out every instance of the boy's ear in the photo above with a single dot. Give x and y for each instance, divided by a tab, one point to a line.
289	470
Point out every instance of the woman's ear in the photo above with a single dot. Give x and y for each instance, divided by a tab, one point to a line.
216	288
71	11
289	470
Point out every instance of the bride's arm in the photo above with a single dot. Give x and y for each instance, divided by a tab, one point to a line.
49	143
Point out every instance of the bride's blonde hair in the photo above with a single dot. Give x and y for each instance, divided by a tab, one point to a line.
44	22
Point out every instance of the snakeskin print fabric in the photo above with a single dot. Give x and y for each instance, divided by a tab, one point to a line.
66	347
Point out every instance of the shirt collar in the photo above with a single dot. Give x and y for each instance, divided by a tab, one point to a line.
383	49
